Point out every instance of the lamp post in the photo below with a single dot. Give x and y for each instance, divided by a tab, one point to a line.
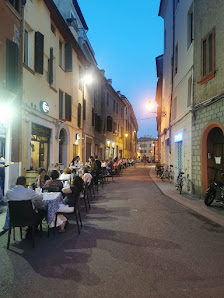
149	106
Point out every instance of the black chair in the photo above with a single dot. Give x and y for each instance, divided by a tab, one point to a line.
109	174
75	199
21	214
85	196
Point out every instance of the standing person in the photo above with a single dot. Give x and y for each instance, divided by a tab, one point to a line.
42	178
92	165
2	176
98	163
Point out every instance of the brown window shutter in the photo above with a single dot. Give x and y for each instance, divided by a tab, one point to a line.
11	65
39	53
68	107
68	57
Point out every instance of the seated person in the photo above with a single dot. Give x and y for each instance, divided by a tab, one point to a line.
66	174
75	162
86	176
20	193
54	180
76	187
42	178
110	164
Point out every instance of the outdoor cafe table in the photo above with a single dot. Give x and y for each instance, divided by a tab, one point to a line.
51	200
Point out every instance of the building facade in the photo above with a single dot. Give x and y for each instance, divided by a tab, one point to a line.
208	123
147	149
176	105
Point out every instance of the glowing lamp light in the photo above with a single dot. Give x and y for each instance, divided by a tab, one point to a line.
149	106
112	144
5	114
88	79
126	135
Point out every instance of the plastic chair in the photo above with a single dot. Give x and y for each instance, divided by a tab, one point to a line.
21	214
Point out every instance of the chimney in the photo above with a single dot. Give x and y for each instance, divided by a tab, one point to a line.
119	93
109	81
102	71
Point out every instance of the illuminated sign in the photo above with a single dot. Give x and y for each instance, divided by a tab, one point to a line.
178	137
44	107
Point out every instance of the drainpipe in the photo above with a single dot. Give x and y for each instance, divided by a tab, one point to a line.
172	69
20	95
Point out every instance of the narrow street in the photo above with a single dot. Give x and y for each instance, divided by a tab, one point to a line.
135	242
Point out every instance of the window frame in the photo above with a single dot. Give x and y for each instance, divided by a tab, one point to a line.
208	74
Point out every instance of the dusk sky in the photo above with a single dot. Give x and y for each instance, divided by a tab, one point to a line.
126	36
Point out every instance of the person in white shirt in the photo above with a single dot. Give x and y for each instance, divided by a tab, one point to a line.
66	175
87	177
20	193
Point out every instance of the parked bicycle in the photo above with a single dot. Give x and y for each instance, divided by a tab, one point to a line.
168	174
180	182
159	170
215	189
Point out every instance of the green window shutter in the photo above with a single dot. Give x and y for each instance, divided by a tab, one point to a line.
51	67
11	65
68	57
68	107
39	53
79	115
60	104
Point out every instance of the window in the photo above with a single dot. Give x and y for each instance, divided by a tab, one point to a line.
176	59
53	30
15	4
84	109
126	110
65	106
117	107
79	115
114	103
174	108
189	91
122	112
208	57
189	28
11	65
93	116
26	58
176	3
80	78
108	98
39	53
61	110
60	53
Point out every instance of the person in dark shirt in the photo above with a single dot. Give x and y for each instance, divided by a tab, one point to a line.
98	163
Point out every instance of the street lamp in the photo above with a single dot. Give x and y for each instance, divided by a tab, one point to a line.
126	135
149	106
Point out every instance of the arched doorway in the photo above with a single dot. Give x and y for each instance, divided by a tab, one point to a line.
63	148
212	146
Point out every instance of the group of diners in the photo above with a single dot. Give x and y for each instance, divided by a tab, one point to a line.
72	180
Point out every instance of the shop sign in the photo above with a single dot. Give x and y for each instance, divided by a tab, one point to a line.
178	137
77	137
44	107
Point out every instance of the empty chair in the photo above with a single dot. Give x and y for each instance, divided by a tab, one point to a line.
21	214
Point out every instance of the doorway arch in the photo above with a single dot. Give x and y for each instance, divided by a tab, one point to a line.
212	131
